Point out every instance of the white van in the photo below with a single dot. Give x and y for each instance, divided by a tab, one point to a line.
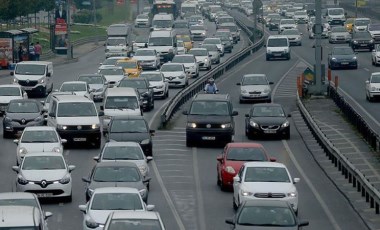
277	46
119	102
165	43
34	76
162	21
336	16
116	46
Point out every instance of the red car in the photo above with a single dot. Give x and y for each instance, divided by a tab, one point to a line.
234	156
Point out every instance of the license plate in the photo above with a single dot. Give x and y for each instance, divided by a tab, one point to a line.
344	63
363	44
269	131
208	138
277	55
44	194
80	139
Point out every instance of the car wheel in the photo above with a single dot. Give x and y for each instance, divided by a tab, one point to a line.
44	92
97	144
167	94
6	134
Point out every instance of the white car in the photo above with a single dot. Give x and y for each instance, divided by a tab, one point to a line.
376	55
147	58
181	47
113	74
38	139
217	42
374	30
80	88
10	92
134	220
190	63
106	200
255	87
46	174
175	74
265	180
110	62
294	36
142	20
202	56
339	34
125	151
301	17
361	24
286	24
198	32
158	82
372	86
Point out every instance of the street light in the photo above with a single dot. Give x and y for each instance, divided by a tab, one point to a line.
95	21
69	53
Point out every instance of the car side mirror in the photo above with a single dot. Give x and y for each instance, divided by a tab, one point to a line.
238	83
272	159
265	45
235	113
97	158
16	141
25	95
220	158
82	208
51	114
271	83
303	223
71	168
289	115
48	74
301	33
152	131
149	158
185	112
237	179
63	141
48	214
42	102
230	221
16	169
150	207
296	180
147	179
367	82
246	115
12	73
100	113
85	179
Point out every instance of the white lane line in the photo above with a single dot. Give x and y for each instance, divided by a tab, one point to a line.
200	206
325	208
366	69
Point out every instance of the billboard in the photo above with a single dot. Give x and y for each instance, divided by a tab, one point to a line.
60	31
6	52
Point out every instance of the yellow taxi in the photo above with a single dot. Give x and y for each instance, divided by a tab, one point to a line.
186	41
130	66
349	24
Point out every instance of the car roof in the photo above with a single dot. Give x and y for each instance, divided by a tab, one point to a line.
266	105
145	49
184	55
127	60
128	117
118	91
16	195
266	202
201	48
131	214
116	190
74	82
150	72
36	62
111	67
228	24
10	85
33	154
43	128
211	97
90	75
255	75
72	98
171	63
264	164
121	143
244	145
25	100
19	216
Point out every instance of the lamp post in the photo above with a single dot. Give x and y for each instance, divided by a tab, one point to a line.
318	46
69	53
356	8
95	21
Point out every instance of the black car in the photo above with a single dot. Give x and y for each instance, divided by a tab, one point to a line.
266	214
145	90
342	57
228	45
362	40
131	128
116	174
274	24
210	119
267	119
22	113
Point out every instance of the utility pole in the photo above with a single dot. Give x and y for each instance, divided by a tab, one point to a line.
138	7
356	8
69	53
95	22
318	47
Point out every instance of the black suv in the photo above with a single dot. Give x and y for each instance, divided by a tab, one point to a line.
210	119
145	91
362	40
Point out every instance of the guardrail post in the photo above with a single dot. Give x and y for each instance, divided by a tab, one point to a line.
377	208
299	88
336	82
372	203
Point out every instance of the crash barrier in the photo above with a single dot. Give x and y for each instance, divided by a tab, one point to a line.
350	172
198	85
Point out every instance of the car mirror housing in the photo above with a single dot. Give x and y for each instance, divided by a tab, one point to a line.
219	158
296	180
235	113
237	179
82	208
71	168
230	221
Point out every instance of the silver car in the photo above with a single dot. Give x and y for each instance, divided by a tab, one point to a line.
190	63
339	34
198	32
106	200
157	81
175	74
131	219
10	92
38	139
22	217
45	174
202	56
213	51
147	58
97	84
294	36
255	87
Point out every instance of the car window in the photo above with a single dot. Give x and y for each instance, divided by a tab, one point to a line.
43	163
343	51
116	201
30	69
91	79
39	136
116	174
266	216
246	154
127	64
198	52
152	77
338	29
122	153
183	59
254	80
73	87
277	42
76	109
115	71
266	174
171	68
375	78
217	108
122	102
23	107
9	91
115	41
267	111
131	126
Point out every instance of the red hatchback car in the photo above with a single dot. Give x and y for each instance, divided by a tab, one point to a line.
234	156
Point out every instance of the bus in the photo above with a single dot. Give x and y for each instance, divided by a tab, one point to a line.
168	6
188	9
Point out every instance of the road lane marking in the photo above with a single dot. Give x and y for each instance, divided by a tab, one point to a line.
366	69
325	208
200	206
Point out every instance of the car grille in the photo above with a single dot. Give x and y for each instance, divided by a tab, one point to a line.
270	127
362	42
290	39
55	192
209	126
27	83
197	34
22	121
277	52
269	195
79	127
287	27
255	92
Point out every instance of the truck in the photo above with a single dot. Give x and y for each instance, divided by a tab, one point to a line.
118	37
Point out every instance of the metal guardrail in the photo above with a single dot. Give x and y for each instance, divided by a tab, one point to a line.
190	91
353	175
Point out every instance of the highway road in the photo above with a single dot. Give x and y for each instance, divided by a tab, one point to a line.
183	185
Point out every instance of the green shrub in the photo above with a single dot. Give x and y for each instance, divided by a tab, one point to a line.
86	16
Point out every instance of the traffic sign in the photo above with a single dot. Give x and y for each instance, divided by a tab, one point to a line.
309	74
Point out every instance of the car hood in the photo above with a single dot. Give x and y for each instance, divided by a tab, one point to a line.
343	57
253	88
161	49
145	58
269	120
197	31
28	77
240	227
374	32
335	34
78	120
137	137
121	112
19	116
200	58
7	99
96	86
172	74
39	147
100	216
293	36
269	187
208	119
156	83
116	48
187	65
361	39
138	185
48	175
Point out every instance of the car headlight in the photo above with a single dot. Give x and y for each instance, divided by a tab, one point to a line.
371	41
253	124
65	179
334	59
285	124
143	169
95	126
182	76
191	125
22	151
41	81
63	127
91	223
203	33
292	194
90	192
224	126
145	142
230	170
21	180
373	88
56	150
355	42
246	193
206	60
142	192
354	58
15	80
8	119
159	86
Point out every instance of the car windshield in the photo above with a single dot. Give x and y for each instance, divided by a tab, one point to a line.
210	47
121	102
277	42
73	87
212	41
20	228
135	224
343	51
287	22
141	52
373	27
10	91
129	126
180	44
362	22
197	28
127	64
141	39
116	201
226	19
23	107
254	80
336	12
183	59
172	68
266	174
133	83
122	153
375	78
267	111
142	16
338	29
184	38
162	23
114	71
246	154
266	216
160	41
77	109
19	202
181	25
116	41
198	52
110	61
92	79
43	163
217	108
39	136
116	174
30	69
300	13
152	76
290	32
